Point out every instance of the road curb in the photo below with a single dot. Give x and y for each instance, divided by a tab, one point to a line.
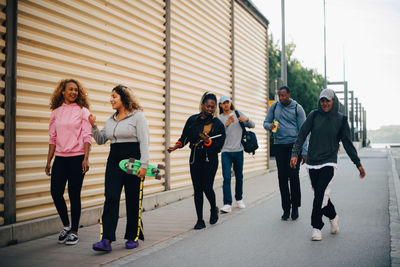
394	202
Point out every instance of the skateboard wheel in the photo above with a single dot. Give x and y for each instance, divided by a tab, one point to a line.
155	171
158	177
161	166
132	160
129	171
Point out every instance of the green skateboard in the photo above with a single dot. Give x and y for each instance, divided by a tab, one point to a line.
131	166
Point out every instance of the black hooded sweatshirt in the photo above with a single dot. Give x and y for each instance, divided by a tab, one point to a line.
327	129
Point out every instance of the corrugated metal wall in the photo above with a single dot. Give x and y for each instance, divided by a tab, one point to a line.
102	44
200	61
251	84
2	112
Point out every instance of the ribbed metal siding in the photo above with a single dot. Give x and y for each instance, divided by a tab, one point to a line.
251	68
200	61
2	112
102	44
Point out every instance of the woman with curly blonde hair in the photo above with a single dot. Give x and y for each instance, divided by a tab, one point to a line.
128	131
70	141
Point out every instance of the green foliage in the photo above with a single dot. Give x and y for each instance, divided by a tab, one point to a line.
305	84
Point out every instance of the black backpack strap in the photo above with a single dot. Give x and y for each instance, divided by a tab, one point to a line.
241	123
273	112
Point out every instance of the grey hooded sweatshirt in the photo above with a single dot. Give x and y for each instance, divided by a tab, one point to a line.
132	128
290	118
327	129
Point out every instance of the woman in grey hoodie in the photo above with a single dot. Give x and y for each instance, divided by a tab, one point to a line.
327	127
128	131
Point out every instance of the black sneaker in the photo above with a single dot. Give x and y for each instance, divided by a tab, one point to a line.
285	216
295	213
200	225
63	236
72	239
214	215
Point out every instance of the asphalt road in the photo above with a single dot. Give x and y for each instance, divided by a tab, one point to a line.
256	236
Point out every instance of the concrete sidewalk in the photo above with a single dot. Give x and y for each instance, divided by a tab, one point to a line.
160	225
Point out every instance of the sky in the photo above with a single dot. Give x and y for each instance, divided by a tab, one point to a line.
362	47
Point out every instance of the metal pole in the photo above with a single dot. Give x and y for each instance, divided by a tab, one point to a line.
365	126
325	81
233	51
283	54
167	176
352	114
346	100
10	113
356	119
361	126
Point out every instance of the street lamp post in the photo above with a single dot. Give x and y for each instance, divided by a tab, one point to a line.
325	81
283	54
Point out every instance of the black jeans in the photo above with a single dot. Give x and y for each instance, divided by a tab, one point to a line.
322	205
133	185
67	169
203	175
290	197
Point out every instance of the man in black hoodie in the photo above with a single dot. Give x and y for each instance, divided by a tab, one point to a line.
327	126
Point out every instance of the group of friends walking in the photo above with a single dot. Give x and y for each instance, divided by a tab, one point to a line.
72	128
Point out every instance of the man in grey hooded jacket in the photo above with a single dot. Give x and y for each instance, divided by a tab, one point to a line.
327	126
290	115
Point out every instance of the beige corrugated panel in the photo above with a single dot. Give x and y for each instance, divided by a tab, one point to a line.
2	112
102	44
200	61
251	68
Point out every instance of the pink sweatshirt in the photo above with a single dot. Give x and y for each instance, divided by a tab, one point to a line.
69	129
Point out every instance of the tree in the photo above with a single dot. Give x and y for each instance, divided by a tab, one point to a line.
305	84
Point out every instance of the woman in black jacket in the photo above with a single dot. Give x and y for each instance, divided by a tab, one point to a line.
206	135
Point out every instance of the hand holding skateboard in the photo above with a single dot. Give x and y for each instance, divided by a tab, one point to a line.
133	166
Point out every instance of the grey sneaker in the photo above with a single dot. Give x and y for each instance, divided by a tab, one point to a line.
226	208
334	225
240	204
316	235
72	239
63	236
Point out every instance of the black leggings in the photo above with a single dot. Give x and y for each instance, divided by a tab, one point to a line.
203	175
67	169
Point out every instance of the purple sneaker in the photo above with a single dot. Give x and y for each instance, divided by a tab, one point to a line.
130	244
103	245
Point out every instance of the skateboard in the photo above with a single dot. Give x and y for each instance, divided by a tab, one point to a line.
131	166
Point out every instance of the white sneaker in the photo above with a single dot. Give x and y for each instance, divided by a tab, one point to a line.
226	209
316	234
335	225
240	204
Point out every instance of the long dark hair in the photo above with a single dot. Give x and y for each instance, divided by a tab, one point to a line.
222	111
127	98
